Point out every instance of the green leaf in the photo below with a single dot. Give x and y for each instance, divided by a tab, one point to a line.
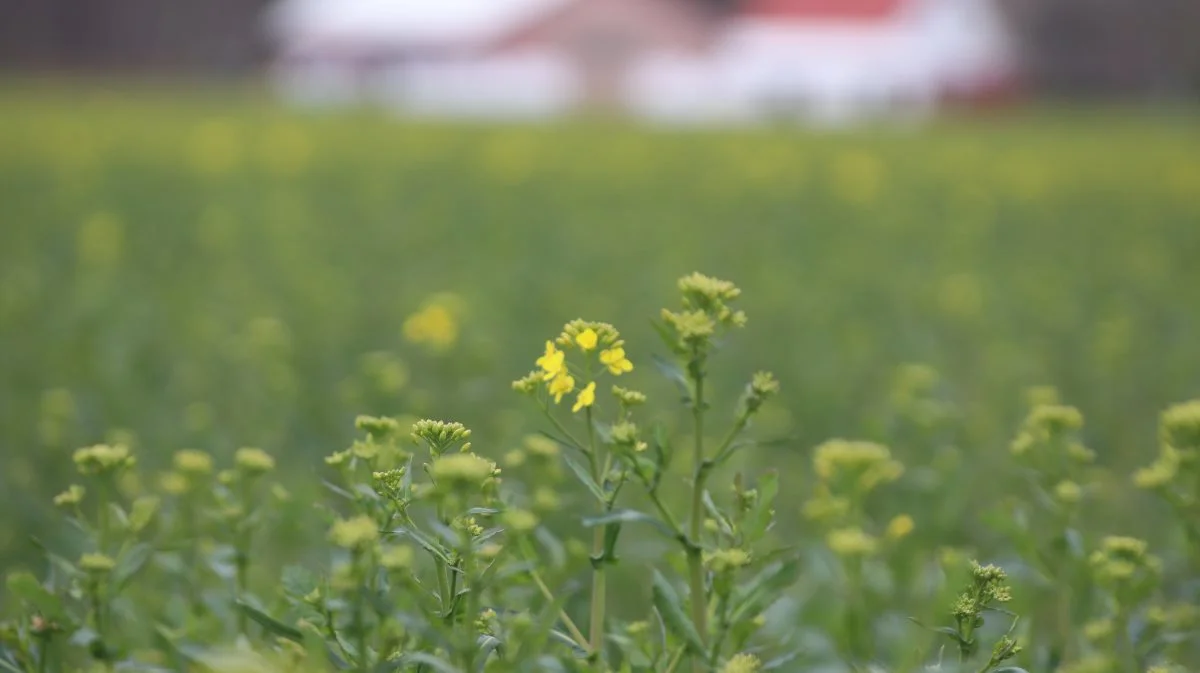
629	516
487	645
26	587
131	563
1010	669
585	478
425	541
759	519
119	514
668	338
271	624
761	590
437	664
674	374
142	512
670	607
781	661
944	630
6	666
337	490
564	639
298	581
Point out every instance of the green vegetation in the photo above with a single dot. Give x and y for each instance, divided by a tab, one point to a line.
982	339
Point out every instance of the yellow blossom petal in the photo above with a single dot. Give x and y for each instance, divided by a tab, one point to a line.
562	384
552	362
587	397
587	339
615	360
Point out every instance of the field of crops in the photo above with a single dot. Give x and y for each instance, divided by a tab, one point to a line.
210	274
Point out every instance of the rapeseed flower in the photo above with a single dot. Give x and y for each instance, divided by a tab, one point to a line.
900	527
742	663
562	384
615	360
586	398
357	533
587	339
552	362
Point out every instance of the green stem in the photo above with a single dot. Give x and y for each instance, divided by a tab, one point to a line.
675	659
99	620
562	428
580	639
1126	657
360	625
43	653
695	562
665	514
856	623
242	553
331	632
599	579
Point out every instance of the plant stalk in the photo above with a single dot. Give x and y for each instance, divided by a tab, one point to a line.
599	579
699	600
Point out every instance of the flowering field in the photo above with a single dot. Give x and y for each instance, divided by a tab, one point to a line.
982	341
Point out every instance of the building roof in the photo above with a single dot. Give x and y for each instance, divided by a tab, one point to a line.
823	10
414	23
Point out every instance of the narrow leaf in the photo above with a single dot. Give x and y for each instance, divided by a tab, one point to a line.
436	663
674	374
270	623
669	605
585	478
629	516
131	564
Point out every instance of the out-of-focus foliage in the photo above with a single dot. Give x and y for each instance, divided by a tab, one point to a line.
211	273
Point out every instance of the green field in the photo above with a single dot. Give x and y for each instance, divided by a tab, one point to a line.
212	274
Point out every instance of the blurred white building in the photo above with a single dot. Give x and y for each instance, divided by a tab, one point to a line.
829	61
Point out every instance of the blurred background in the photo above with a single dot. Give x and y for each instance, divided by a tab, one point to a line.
668	58
233	222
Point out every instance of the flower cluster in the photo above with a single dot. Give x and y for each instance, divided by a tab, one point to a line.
859	465
104	459
1125	565
705	307
1175	473
601	348
1048	444
436	323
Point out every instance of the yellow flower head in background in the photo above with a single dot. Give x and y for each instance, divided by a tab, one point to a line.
900	527
587	397
436	323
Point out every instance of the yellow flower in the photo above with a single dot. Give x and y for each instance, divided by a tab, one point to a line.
552	362
586	339
900	527
562	384
587	397
851	542
615	360
357	533
742	663
434	324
